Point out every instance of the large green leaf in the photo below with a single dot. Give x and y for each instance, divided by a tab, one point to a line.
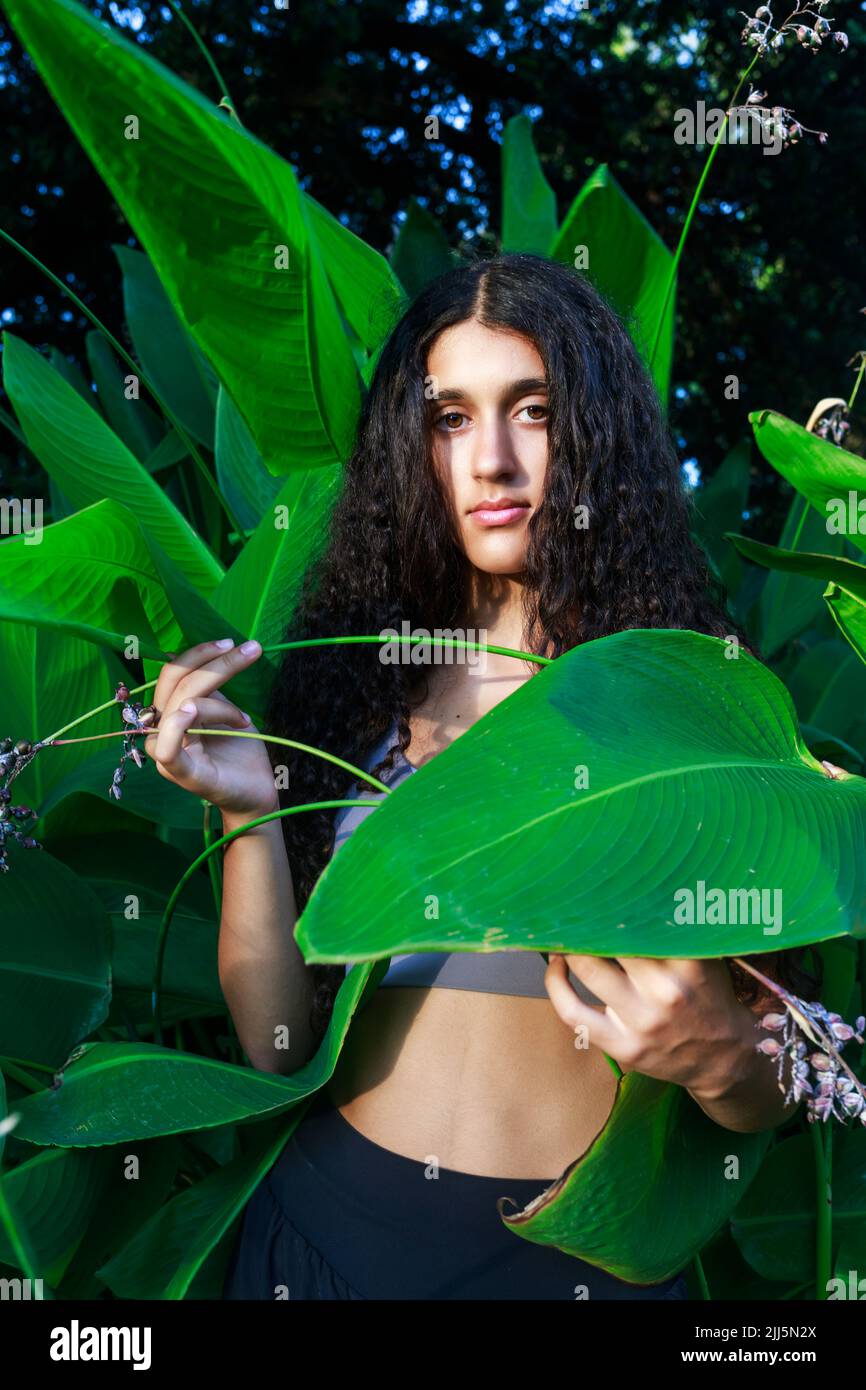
91	576
259	591
54	958
820	471
789	604
165	349
845	579
580	813
113	1092
3	1114
212	206
628	263
421	251
650	1190
46	674
365	286
774	1225
78	449
133	876
55	1195
74	375
718	508
528	201
199	620
829	689
144	793
244	481
132	420
164	1256
128	1198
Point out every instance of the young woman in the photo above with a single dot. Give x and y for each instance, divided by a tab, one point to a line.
508	396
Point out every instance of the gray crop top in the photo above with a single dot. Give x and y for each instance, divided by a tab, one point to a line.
494	972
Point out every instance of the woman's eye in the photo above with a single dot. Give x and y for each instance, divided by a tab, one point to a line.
542	408
450	415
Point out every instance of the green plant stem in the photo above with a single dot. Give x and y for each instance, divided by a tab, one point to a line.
800	524
211	849
852	398
701	1278
320	642
822	1152
137	370
792	1293
427	641
21	1246
213	866
220	80
10	1068
672	275
358	772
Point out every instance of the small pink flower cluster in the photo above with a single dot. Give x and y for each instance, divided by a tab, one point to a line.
139	719
13	757
820	1074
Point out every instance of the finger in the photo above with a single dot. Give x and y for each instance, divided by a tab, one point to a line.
201	670
216	710
606	978
600	1028
654	976
167	749
179	664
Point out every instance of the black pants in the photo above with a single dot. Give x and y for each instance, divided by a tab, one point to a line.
338	1216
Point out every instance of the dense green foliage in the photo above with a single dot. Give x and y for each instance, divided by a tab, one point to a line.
255	316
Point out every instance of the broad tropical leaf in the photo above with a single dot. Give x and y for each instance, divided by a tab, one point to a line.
774	1224
364	284
789	604
91	576
244	481
258	592
45	674
829	689
115	1092
628	773
56	1195
845	580
528	201
164	1256
166	351
421	250
125	1203
54	959
819	470
79	450
627	261
132	420
223	222
718	508
658	1153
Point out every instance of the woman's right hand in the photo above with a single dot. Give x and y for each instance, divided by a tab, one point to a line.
235	774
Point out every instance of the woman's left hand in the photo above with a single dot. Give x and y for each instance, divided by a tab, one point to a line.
677	1020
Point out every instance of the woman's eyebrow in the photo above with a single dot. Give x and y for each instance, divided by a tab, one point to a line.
526	386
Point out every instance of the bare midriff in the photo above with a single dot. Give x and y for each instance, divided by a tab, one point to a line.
489	1084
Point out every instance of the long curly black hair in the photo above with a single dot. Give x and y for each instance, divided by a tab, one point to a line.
392	553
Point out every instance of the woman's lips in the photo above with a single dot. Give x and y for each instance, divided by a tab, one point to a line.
499	516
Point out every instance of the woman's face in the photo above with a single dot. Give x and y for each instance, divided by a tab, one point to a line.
488	422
